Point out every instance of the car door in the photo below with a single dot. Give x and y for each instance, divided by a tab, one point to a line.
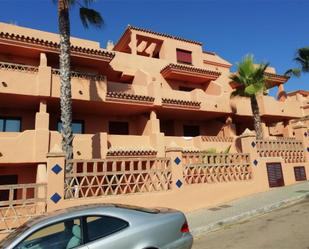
66	234
107	232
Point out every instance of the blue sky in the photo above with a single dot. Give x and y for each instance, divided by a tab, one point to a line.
270	29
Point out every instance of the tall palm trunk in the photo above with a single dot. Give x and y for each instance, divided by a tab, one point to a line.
65	81
256	117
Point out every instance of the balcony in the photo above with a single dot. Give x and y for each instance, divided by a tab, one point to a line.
188	73
85	86
179	99
17	147
197	99
18	78
269	106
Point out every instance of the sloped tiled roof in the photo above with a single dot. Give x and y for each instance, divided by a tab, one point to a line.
163	34
190	69
54	45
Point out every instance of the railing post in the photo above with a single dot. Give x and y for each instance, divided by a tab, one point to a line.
302	134
175	154
55	178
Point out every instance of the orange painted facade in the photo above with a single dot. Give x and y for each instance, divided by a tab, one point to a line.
135	99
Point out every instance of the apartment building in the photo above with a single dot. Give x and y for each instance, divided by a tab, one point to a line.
131	99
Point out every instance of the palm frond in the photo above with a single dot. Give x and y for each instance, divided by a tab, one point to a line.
302	58
87	3
293	72
90	17
250	77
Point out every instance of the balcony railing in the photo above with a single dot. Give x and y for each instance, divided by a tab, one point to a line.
83	75
18	67
93	178
20	203
129	97
216	167
292	151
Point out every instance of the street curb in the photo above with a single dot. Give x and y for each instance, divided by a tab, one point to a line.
201	230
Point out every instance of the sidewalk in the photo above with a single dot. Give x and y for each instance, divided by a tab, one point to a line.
210	219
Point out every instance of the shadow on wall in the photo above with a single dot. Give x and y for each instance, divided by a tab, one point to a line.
238	145
96	146
96	139
93	90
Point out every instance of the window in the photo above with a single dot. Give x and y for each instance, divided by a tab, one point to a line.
186	89
65	234
300	173
108	225
184	56
10	124
77	126
118	128
167	127
191	130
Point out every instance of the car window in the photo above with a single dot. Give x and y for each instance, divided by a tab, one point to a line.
63	235
101	226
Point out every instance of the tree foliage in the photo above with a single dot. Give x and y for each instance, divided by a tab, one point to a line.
250	77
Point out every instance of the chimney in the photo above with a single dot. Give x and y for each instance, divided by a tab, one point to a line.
110	45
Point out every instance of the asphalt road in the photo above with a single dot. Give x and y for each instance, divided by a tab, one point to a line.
287	228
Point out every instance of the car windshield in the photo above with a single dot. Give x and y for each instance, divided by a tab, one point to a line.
18	231
15	233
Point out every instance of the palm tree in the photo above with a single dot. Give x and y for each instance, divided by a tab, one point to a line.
302	58
250	80
88	17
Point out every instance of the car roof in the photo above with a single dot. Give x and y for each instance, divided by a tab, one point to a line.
87	210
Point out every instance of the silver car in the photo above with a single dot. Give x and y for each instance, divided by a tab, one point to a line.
104	226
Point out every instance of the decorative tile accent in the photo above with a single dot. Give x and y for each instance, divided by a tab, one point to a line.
56	169
55	197
253	144
177	160
178	183
255	162
305	134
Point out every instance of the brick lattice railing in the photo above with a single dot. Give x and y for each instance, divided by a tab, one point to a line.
216	139
181	103
18	67
292	151
23	202
93	178
216	167
82	75
129	97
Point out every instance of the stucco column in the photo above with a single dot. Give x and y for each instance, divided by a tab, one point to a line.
55	178
265	129
42	117
229	128
41	132
175	154
302	134
259	171
154	123
281	94
41	178
44	77
133	43
99	145
287	129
